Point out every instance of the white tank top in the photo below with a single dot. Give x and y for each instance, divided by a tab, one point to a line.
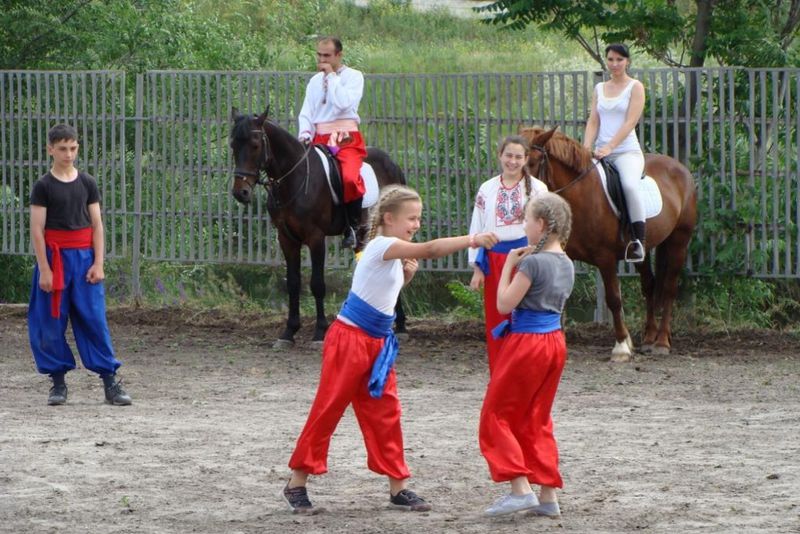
612	112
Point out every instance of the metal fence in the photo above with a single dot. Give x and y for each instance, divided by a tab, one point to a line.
159	149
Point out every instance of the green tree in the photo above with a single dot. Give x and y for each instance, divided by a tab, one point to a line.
679	33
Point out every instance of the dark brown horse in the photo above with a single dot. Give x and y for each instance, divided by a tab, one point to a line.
566	167
300	203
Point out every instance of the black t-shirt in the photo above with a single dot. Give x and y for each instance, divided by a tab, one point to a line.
67	203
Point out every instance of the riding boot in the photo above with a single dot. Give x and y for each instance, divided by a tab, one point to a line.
352	222
635	251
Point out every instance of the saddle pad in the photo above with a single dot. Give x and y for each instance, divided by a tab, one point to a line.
367	174
648	192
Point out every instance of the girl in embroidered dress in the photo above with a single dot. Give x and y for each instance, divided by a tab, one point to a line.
516	428
617	106
499	207
359	351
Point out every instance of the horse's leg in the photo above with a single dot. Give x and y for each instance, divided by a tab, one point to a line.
318	251
670	259
624	345
291	252
648	284
400	319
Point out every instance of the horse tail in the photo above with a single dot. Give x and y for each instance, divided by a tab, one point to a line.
392	173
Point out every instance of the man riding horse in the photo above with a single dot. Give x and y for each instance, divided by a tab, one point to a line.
330	116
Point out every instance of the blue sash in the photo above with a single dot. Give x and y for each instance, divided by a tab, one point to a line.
375	324
502	247
525	321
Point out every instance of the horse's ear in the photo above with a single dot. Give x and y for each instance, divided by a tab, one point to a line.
234	113
264	115
544	137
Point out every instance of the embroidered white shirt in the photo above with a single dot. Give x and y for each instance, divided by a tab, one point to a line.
330	97
501	210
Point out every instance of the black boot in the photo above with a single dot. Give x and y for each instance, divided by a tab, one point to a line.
114	393
58	393
352	212
635	251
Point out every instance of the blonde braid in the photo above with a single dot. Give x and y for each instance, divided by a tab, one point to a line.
555	210
391	198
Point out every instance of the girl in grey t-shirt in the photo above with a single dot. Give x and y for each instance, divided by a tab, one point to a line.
516	427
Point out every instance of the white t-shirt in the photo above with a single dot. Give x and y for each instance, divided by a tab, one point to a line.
501	210
375	280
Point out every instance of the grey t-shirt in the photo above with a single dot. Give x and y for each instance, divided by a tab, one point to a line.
552	277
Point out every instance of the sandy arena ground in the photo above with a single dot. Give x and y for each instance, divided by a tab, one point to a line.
705	440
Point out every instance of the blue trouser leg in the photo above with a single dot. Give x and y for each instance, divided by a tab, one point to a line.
84	303
46	333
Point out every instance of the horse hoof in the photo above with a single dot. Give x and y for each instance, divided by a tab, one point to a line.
646	349
629	342
402	336
283	344
621	352
658	350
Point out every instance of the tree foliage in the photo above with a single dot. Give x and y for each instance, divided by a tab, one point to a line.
683	33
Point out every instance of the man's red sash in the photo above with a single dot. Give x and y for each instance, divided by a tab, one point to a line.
55	241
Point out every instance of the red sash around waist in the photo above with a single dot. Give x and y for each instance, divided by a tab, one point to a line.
55	241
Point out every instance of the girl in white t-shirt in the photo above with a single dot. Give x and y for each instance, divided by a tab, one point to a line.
359	350
617	106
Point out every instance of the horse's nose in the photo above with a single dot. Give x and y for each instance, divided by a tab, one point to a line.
242	195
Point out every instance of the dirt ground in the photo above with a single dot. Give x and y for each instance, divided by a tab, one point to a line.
705	440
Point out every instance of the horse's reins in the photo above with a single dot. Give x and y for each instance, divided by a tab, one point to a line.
266	149
546	162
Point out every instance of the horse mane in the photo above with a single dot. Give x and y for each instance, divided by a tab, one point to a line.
561	147
242	126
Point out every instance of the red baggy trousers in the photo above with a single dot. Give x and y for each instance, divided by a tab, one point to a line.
492	316
351	155
347	357
516	428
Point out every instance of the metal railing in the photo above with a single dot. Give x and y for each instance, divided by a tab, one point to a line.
160	153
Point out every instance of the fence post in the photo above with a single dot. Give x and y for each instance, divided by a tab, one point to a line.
601	313
137	193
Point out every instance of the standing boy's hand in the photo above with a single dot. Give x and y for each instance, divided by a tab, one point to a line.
95	274
46	280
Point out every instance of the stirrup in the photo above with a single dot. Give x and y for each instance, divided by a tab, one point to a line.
350	238
630	250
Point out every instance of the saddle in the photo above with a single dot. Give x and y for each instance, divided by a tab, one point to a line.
617	196
333	173
333	170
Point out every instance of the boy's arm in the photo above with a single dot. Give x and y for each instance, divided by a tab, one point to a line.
38	218
96	273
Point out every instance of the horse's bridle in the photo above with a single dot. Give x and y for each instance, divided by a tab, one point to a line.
260	172
544	175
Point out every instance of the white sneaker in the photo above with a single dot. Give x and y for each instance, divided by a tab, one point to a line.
546	509
512	503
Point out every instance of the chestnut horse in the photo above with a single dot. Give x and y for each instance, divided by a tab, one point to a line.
300	204
567	169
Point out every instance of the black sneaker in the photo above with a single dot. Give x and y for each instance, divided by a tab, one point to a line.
58	395
116	395
409	501
298	500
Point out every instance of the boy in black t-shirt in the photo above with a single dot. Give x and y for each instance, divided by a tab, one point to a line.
67	236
